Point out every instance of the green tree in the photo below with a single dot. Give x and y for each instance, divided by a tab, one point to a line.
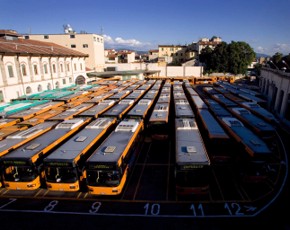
234	58
277	57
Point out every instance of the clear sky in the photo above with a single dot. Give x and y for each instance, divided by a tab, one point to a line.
143	25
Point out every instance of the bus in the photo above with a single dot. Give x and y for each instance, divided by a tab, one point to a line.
22	168
119	110
35	110
21	137
6	131
253	166
192	169
6	122
72	112
63	167
107	169
140	110
218	143
261	112
183	108
158	124
258	125
97	109
203	80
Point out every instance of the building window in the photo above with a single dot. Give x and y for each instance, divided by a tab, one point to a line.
10	71
61	68
39	88
67	67
35	69
48	86
81	66
85	46
72	36
70	80
1	96
73	46
46	36
63	81
23	70
26	37
57	85
53	68
45	68
75	66
28	90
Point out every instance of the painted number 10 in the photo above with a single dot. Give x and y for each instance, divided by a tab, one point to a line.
152	209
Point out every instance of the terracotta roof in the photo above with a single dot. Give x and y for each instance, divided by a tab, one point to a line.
33	47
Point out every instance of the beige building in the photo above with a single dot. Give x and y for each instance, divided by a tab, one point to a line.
29	66
91	44
122	56
171	53
153	55
204	42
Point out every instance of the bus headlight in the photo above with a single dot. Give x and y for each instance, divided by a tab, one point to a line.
72	187
31	185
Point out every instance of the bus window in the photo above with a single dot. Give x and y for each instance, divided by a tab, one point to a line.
61	174
20	173
103	177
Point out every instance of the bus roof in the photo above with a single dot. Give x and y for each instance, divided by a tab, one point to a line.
77	143
140	109
183	108
116	143
16	139
190	148
38	144
160	113
252	119
251	141
213	128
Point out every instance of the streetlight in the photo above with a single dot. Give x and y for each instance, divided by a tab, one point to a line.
274	64
285	63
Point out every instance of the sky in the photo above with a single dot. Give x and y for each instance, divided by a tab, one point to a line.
143	25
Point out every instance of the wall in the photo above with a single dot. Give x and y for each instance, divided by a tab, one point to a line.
168	71
275	85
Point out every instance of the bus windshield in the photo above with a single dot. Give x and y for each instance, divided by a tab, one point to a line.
20	173
107	178
61	174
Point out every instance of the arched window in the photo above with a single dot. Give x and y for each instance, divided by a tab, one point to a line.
39	88
49	86
23	70
80	80
28	90
57	85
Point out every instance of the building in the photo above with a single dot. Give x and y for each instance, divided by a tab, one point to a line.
29	66
91	44
153	55
204	42
275	85
121	56
171	53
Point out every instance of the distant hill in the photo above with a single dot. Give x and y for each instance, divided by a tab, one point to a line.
259	55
